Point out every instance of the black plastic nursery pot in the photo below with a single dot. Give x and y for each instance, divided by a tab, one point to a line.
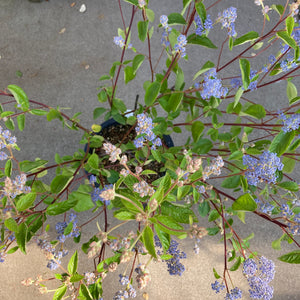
111	129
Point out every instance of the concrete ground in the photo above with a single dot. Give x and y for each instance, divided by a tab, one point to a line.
57	54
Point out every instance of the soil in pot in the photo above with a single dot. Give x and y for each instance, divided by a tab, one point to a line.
116	133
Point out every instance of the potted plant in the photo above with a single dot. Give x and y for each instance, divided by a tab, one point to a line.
237	158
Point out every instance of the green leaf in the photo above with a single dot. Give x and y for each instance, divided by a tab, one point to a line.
213	215
84	293
163	237
281	142
98	112
203	209
250	36
20	96
217	276
61	207
185	5
84	200
168	225
245	203
59	293
104	77
236	155
200	40
179	79
291	257
152	92
150	14
202	146
178	212
38	112
207	66
238	96
288	164
276	245
21	122
12	250
123	215
27	166
142	30
128	74
133	2
231	182
9	123
176	19
73	263
175	101
287	39
148	241
289	185
291	91
255	110
8	168
245	70
11	225
201	11
137	62
294	100
289	23
236	264
278	8
21	237
197	128
76	277
26	201
93	161
59	183
68	229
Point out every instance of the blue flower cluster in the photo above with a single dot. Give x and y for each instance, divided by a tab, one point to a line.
262	169
288	63
235	293
52	255
6	140
61	226
289	123
259	276
180	46
175	267
119	41
212	86
201	29
165	35
264	207
97	192
237	81
130	292
227	18
144	131
217	286
286	211
214	168
15	187
271	61
294	226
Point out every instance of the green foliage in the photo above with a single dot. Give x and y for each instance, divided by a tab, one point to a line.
200	40
244	203
291	257
248	37
20	96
